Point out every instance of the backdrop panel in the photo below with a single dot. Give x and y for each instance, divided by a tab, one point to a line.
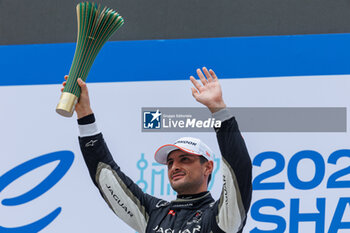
308	182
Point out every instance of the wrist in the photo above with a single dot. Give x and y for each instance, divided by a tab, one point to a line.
217	107
84	113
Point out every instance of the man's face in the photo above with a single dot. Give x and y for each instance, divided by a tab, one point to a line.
186	174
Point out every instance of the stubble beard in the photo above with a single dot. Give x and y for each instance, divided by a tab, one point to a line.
184	186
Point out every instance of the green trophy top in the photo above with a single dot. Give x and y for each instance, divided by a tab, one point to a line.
95	27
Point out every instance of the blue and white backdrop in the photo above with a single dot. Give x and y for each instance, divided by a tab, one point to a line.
301	180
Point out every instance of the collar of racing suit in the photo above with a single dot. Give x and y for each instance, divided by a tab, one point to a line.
192	201
192	196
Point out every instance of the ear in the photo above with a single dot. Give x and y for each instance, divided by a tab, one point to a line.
209	166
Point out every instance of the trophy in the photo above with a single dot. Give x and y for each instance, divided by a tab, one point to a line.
95	27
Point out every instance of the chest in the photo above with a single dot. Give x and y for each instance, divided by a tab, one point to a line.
180	221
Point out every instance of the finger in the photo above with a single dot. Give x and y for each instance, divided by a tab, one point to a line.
64	83
195	83
62	89
80	82
194	92
82	85
201	77
213	74
66	77
207	74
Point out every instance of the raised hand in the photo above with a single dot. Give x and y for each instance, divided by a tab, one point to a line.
82	108
209	93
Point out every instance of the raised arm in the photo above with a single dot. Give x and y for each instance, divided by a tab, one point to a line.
233	205
122	195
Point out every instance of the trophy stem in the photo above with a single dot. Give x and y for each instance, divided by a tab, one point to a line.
66	104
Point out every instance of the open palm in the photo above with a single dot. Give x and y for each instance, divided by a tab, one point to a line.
209	93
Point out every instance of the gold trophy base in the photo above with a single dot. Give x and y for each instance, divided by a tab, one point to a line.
66	105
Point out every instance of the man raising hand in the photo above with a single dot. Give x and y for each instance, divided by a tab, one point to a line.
190	164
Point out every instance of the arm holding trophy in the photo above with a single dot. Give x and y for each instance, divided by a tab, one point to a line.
105	172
